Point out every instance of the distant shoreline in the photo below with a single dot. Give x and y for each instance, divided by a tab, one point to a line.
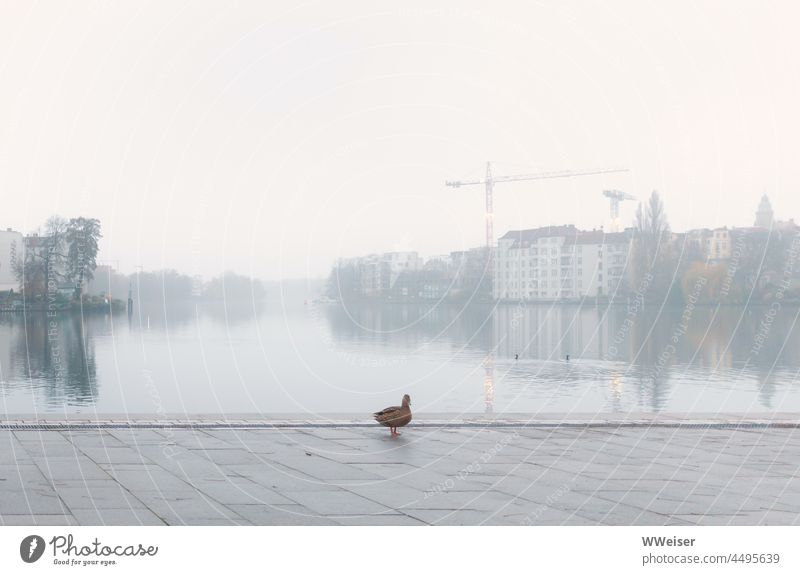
114	306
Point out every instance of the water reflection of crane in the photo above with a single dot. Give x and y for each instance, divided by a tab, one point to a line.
616	392
488	182
488	382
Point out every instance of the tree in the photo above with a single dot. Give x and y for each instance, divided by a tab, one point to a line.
343	282
653	254
705	283
43	263
161	287
652	228
29	274
82	237
53	255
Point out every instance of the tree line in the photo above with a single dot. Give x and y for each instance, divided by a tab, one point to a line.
759	264
62	257
172	286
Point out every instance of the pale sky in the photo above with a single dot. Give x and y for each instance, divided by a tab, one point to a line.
272	137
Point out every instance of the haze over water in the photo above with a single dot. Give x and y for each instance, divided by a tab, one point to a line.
327	359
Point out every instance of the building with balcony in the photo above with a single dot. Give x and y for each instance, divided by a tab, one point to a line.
560	263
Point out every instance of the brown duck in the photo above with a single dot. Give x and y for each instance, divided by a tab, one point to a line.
397	416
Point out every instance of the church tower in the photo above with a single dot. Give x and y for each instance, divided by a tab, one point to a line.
764	213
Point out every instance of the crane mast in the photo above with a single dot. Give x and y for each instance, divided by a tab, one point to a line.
490	180
615	197
489	207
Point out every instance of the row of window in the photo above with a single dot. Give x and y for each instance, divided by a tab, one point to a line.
516	285
565	273
610	248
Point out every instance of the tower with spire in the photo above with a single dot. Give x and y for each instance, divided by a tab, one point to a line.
764	213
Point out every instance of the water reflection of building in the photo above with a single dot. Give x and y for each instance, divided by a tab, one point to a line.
407	326
552	332
636	354
55	355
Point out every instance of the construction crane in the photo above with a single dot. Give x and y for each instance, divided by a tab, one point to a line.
615	197
490	180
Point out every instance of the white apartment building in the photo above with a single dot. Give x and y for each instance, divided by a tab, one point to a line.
11	248
560	263
376	274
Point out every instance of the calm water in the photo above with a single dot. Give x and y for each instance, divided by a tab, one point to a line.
333	359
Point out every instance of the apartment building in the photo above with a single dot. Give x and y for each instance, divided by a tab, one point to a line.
560	263
11	247
713	245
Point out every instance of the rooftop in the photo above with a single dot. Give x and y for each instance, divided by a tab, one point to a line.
572	235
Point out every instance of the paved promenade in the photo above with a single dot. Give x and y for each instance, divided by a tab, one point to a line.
465	474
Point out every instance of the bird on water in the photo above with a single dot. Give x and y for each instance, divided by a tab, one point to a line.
396	416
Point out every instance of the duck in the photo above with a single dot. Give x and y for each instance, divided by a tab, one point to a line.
395	416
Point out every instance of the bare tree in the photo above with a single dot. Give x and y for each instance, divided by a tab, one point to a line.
42	265
652	229
653	253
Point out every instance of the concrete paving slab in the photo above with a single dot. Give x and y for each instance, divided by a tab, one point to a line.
332	474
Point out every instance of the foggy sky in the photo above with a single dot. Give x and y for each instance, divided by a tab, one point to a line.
272	137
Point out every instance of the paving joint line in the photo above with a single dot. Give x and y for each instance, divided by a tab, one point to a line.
202	425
